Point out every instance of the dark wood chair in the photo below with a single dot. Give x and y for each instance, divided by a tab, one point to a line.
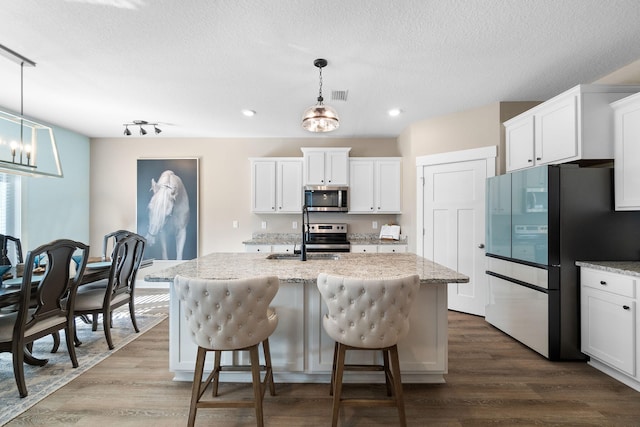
5	259
110	240
45	306
119	289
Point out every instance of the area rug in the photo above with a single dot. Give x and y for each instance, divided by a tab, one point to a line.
44	380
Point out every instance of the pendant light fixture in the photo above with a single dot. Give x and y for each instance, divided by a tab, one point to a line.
32	148
320	117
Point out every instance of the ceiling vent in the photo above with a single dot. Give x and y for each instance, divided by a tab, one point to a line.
339	95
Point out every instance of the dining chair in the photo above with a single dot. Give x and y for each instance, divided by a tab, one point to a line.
119	290
6	257
367	314
45	306
110	240
229	315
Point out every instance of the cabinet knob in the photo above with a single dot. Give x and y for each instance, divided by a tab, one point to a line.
538	158
481	245
603	283
626	307
371	207
529	161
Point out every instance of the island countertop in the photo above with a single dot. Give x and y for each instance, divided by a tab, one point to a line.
220	265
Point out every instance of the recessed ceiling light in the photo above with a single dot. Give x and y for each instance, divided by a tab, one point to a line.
394	112
249	113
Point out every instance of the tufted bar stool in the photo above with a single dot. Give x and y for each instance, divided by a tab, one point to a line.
225	315
367	314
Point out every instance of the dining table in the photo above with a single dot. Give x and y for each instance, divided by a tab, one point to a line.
96	270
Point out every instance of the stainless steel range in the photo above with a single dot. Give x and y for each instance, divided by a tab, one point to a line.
327	238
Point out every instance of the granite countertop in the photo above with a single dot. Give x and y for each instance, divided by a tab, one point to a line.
630	268
238	265
295	238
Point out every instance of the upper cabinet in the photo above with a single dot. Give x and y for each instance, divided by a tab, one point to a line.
276	185
326	166
374	185
626	130
575	125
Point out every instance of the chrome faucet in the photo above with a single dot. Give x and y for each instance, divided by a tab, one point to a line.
305	233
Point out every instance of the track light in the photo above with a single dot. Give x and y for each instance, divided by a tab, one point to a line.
141	123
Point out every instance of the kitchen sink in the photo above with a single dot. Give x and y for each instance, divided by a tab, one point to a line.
310	257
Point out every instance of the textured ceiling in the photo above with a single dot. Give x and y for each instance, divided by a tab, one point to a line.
194	65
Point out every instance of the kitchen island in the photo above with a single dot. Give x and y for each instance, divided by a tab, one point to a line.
300	349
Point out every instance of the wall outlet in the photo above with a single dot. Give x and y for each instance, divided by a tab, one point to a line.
264	225
235	224
294	225
374	225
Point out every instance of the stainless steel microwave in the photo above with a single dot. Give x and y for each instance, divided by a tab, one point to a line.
321	198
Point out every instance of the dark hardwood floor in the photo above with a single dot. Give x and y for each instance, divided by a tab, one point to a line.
492	381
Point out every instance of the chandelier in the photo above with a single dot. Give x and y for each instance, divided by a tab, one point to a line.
26	147
320	117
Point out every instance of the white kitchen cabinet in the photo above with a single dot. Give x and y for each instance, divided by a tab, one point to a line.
276	185
575	125
519	142
626	130
326	166
428	327
609	323
374	185
286	342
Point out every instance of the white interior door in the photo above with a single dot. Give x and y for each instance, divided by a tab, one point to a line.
452	208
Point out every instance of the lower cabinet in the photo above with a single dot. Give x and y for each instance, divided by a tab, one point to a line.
609	328
301	351
286	343
423	351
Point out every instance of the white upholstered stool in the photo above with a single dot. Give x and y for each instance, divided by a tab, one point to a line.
367	314
227	315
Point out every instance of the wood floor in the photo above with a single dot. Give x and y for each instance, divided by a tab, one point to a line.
492	381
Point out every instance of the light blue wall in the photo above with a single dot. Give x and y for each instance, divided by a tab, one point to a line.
54	208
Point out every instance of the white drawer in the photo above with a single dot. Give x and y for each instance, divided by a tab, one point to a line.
389	249
257	248
618	284
525	273
371	249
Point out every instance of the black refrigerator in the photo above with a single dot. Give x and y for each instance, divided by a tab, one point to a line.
539	222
